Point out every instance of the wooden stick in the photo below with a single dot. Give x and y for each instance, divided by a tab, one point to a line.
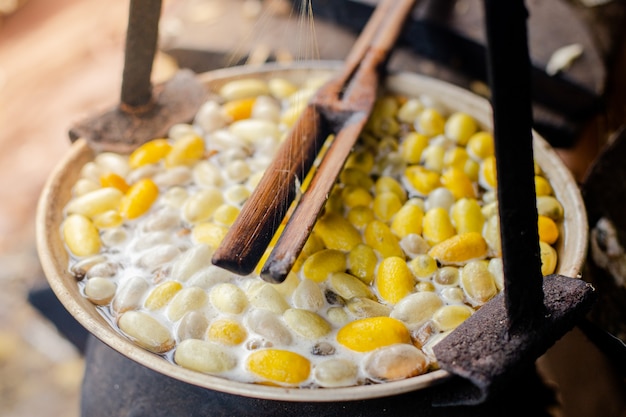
263	212
509	75
302	220
327	113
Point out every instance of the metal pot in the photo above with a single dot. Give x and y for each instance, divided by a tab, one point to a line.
571	248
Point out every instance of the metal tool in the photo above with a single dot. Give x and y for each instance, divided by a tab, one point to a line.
144	112
508	333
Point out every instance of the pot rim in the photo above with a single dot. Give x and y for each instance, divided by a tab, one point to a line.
54	258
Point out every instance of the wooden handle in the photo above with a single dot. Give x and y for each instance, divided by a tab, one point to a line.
265	209
296	232
334	107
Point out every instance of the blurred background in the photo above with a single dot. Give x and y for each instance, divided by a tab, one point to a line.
61	60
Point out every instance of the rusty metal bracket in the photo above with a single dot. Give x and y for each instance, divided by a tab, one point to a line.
144	112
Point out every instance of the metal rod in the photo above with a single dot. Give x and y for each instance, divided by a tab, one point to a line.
141	44
509	76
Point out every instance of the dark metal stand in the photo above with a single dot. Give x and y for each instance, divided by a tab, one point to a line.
116	386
